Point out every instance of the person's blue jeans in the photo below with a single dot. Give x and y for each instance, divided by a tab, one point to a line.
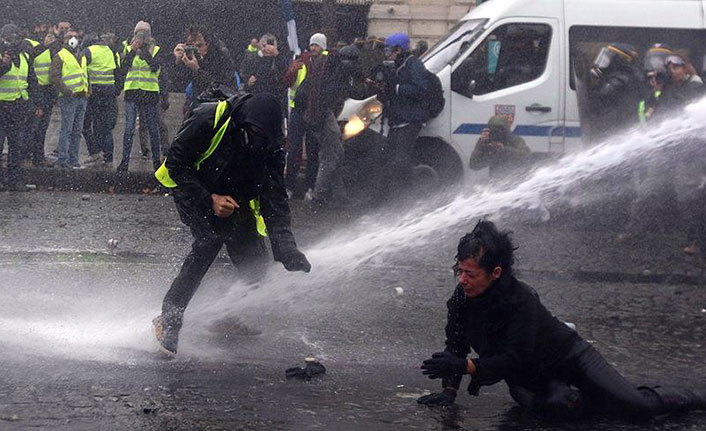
148	114
73	110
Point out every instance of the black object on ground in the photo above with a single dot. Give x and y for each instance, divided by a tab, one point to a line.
312	369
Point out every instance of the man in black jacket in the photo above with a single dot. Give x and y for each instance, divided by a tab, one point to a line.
225	189
518	340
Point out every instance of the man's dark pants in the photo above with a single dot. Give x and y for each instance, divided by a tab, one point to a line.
101	117
239	234
297	132
398	155
38	134
11	117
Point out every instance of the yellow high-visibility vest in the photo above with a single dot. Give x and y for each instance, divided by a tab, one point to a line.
73	74
301	76
162	174
13	84
101	69
140	76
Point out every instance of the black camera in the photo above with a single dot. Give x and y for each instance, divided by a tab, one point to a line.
497	134
190	51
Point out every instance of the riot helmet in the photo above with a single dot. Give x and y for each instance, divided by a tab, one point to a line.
613	55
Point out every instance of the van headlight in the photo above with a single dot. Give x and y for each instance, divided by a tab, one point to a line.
362	119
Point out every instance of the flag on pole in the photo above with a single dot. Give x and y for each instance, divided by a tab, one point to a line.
288	12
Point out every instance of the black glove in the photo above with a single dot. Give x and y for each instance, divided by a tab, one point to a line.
294	260
444	398
164	104
444	364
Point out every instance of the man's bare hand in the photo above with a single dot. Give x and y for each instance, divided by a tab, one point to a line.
191	62
485	134
223	206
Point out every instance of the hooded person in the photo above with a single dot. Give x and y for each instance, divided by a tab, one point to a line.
226	166
499	149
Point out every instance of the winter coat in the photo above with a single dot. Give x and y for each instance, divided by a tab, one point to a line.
512	332
233	169
406	104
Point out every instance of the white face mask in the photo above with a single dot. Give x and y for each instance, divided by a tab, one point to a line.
73	42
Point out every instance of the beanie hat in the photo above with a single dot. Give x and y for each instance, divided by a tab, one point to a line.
497	121
143	26
318	39
398	39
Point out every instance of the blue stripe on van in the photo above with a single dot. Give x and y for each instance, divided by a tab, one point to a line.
521	130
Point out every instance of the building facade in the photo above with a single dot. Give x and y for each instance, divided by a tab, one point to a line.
422	19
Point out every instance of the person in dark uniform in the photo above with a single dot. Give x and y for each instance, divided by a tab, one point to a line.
227	167
547	366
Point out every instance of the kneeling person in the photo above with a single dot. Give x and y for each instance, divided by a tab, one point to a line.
547	366
227	165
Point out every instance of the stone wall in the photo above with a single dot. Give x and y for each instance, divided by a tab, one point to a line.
421	19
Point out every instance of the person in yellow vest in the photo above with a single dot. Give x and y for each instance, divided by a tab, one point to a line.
227	165
12	105
70	78
294	78
44	97
145	88
101	114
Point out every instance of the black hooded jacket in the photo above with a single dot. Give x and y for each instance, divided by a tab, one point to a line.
512	332
248	163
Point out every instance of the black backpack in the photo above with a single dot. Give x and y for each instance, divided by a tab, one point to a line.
435	96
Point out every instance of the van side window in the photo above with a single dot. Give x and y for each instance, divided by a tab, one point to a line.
511	55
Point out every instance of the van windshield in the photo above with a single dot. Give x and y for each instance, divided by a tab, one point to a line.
449	48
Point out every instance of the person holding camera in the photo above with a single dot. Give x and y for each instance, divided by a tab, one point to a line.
264	73
14	72
101	113
145	88
403	93
70	78
499	149
206	60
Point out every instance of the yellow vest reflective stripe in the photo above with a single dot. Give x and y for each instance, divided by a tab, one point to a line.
42	64
10	83
252	48
101	70
162	174
72	73
301	75
140	76
24	74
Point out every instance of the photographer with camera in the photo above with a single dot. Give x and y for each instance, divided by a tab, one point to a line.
499	149
14	69
145	88
206	60
264	73
403	92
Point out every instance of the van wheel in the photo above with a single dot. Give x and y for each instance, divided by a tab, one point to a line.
440	157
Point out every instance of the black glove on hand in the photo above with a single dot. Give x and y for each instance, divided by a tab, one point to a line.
294	260
444	364
445	398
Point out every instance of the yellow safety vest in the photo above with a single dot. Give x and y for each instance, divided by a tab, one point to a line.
140	76
13	84
301	76
24	75
162	174
252	48
101	69
73	74
42	64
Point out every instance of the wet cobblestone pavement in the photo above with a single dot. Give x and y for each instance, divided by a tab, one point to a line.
77	352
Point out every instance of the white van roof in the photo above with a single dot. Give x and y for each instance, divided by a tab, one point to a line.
623	13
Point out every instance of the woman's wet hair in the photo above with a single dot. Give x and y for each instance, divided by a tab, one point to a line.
490	246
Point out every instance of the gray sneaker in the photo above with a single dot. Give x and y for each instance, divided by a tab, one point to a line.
167	339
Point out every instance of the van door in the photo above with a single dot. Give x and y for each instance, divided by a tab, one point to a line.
514	71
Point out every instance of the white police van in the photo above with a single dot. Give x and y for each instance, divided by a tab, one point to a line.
522	57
